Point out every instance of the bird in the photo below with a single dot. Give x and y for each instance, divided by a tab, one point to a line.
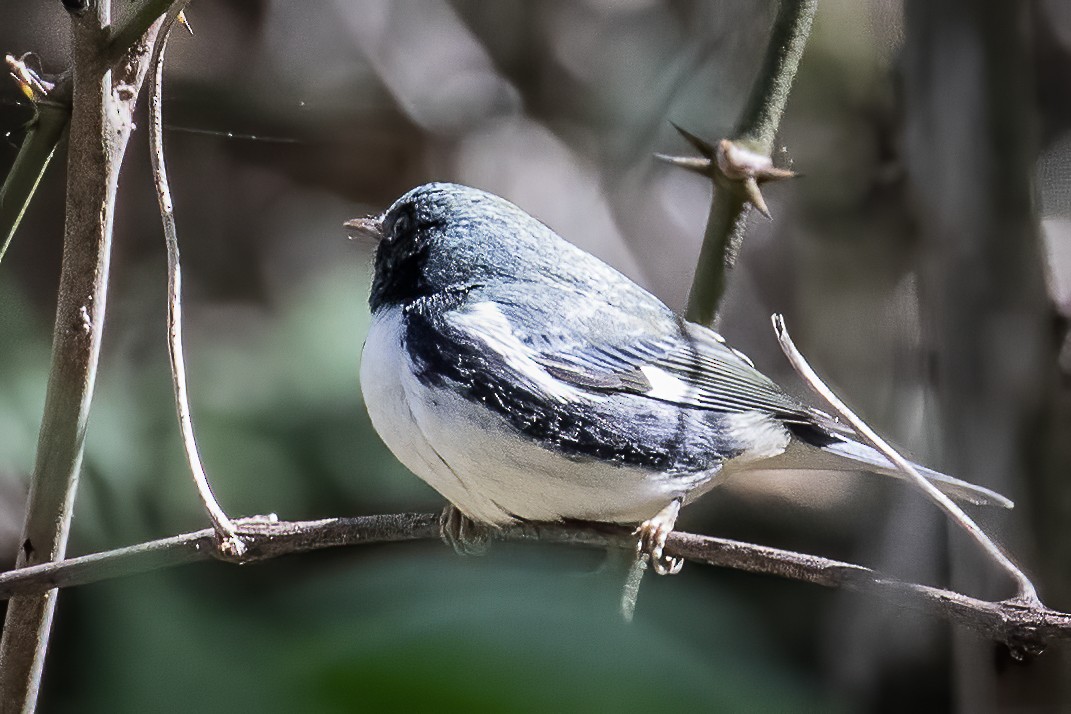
526	380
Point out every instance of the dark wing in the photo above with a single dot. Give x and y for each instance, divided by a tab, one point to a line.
617	345
692	366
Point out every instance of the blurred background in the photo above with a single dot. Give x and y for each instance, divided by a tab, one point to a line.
923	262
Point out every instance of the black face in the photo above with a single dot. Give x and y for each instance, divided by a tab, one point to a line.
401	258
444	238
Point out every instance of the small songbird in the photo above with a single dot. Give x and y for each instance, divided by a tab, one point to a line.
526	380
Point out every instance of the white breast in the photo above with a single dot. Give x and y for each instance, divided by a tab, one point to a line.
480	463
386	381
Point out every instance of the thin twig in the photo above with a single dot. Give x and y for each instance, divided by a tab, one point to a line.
103	99
1026	591
228	537
1026	627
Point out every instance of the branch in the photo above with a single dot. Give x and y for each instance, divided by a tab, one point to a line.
739	166
102	103
762	114
1026	628
129	30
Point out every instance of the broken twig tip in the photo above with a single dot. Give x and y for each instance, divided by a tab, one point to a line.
778	321
30	82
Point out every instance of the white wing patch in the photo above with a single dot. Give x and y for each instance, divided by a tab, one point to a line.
666	387
487	322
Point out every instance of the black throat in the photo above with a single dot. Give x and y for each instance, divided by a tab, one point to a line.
400	275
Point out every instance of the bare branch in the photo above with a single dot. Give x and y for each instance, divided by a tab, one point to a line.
52	114
1027	592
1025	627
228	538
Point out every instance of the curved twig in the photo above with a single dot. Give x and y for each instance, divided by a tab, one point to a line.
228	537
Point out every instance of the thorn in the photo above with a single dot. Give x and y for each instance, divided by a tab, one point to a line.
703	146
754	196
184	21
773	173
696	164
738	163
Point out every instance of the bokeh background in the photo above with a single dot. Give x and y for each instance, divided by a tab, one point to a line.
923	263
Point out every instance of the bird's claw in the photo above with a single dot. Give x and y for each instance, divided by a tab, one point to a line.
464	535
652	539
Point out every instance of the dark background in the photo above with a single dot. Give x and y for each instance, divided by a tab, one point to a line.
914	130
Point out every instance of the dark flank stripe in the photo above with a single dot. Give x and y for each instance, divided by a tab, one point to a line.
446	358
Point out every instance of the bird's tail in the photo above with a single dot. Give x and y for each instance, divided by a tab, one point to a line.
872	460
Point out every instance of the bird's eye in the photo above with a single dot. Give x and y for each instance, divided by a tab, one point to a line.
401	226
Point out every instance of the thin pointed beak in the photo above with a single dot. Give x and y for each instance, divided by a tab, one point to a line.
368	229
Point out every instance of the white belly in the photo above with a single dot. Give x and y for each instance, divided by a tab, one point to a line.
480	463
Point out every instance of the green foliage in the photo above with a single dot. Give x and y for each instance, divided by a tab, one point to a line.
408	630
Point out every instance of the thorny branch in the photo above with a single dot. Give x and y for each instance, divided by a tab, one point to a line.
1025	628
738	166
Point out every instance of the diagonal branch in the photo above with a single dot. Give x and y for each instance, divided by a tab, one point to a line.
1025	627
736	168
52	115
1027	593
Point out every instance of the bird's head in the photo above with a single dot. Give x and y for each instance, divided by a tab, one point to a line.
440	237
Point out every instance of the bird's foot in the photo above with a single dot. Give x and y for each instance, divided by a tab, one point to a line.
464	535
652	539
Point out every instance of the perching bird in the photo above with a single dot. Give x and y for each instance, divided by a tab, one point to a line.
526	380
